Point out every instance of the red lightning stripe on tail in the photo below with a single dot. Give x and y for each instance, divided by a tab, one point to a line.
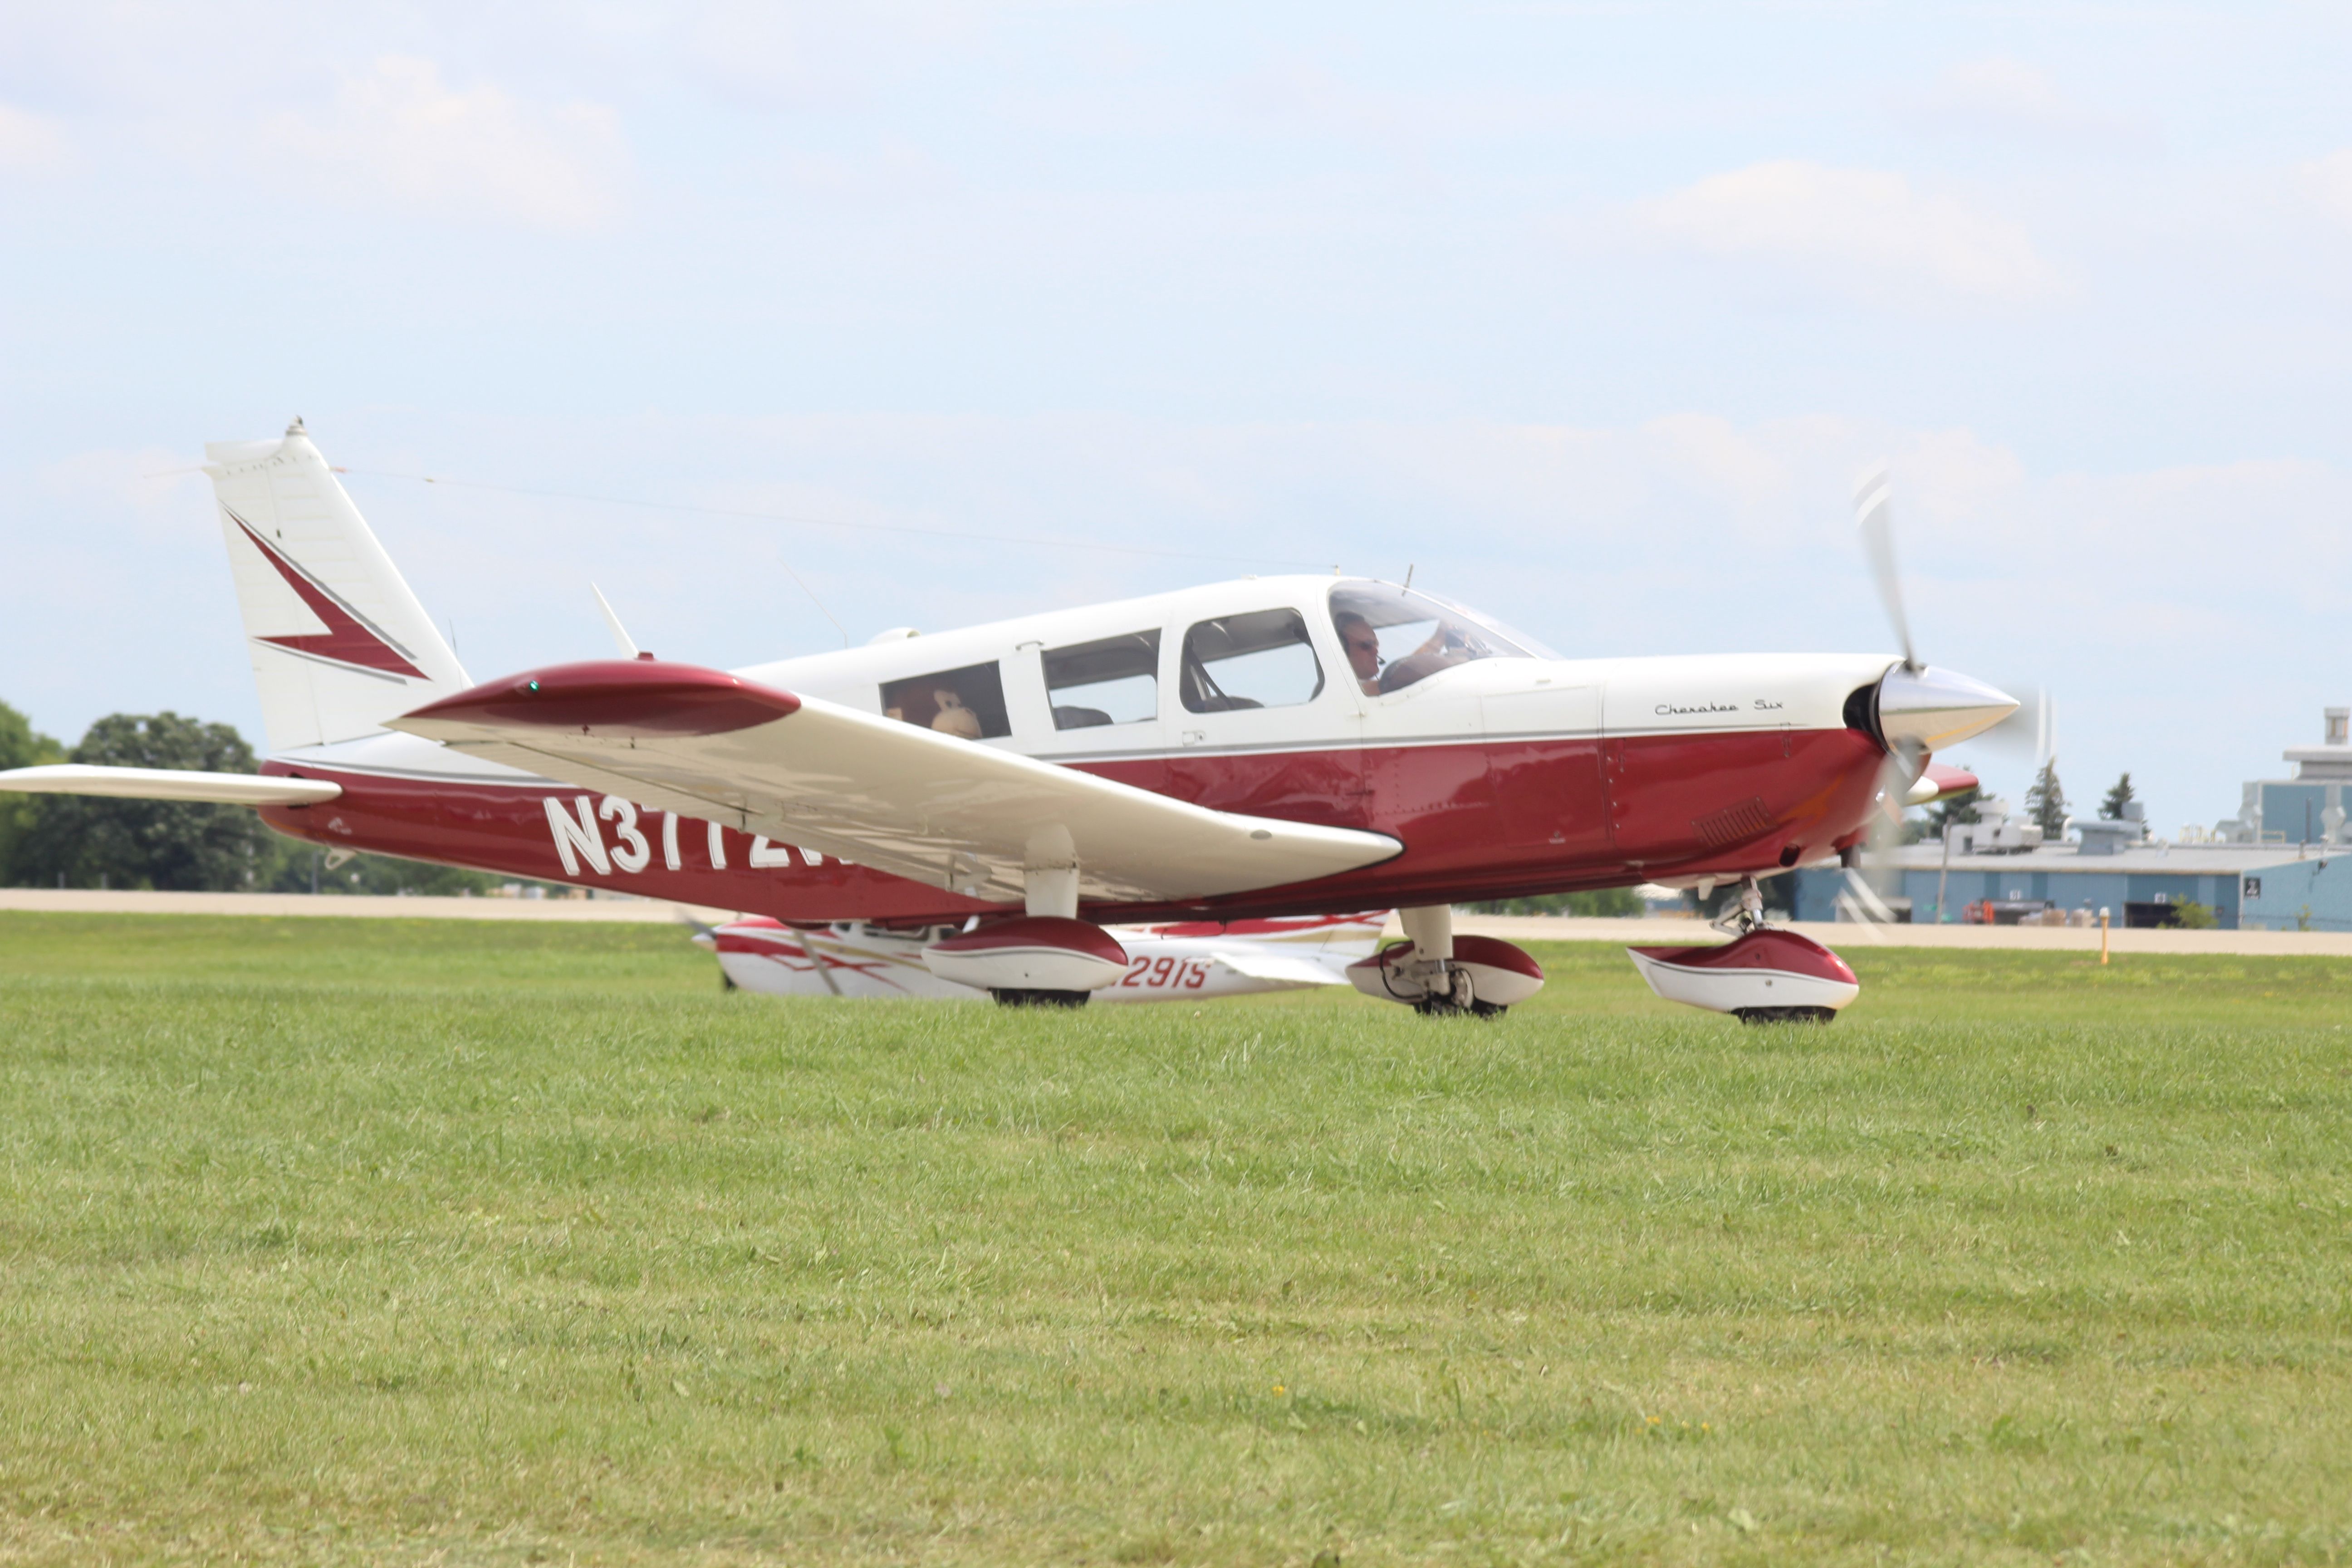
348	639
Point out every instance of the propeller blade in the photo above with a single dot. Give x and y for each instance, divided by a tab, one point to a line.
1903	764
2027	733
1859	904
1874	511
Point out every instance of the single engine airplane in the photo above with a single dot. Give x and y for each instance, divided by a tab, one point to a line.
1265	749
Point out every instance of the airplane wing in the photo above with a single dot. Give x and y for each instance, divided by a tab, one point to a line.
1284	968
167	783
913	802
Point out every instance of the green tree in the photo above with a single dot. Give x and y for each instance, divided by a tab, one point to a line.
1928	827
2191	915
294	863
2046	802
174	845
21	746
2119	795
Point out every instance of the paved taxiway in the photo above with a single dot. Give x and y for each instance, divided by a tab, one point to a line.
1518	928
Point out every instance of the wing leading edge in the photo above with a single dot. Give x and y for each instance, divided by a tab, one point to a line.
167	783
912	802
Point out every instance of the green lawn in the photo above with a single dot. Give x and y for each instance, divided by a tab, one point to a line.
457	1242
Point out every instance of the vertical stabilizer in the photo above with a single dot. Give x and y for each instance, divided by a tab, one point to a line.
339	643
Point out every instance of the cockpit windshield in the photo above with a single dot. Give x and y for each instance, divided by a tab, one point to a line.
1395	637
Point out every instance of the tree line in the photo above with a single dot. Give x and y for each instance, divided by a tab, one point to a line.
84	841
2045	804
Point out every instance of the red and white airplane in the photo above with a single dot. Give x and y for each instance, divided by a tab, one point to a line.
1262	749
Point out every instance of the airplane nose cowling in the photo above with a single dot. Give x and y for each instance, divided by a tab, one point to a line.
1933	709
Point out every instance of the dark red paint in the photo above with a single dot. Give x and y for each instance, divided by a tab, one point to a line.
347	639
1772	948
1038	931
1478	821
1492	951
636	697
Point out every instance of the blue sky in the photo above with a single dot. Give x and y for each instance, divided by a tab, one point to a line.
1589	312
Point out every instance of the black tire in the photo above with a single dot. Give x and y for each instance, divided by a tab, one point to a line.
1447	1007
1012	998
1785	1014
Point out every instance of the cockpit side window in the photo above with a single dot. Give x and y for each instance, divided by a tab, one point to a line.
1113	682
1395	637
1262	659
968	703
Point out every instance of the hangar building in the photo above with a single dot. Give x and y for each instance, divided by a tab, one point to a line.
2247	886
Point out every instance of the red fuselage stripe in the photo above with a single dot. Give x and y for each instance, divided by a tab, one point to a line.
1478	821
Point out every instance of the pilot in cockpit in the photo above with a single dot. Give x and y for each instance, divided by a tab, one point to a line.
1364	613
1363	646
1445	648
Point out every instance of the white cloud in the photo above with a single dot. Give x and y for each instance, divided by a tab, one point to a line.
1862	229
478	153
2004	99
2329	180
31	140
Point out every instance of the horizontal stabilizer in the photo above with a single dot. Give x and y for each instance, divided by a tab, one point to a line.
913	802
168	783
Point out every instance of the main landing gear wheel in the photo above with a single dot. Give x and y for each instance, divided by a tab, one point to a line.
1011	996
1480	975
1763	975
1428	1008
1462	1001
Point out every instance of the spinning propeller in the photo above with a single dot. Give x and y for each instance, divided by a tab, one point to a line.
1874	511
1919	708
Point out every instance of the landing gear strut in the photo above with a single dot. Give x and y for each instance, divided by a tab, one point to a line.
1441	976
1745	913
1445	987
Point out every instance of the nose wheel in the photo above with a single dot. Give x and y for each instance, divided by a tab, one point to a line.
1765	974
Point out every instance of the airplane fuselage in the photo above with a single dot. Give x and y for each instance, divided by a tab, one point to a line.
1506	774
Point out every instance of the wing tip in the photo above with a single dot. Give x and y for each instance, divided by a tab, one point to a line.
614	696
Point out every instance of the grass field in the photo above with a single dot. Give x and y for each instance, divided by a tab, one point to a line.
438	1241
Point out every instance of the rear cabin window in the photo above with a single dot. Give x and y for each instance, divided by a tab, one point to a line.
1113	682
968	702
1395	637
1262	659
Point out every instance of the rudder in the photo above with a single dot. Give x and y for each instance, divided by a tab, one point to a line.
338	641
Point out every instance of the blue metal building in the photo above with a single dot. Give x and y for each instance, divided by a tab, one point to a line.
2245	886
2310	807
